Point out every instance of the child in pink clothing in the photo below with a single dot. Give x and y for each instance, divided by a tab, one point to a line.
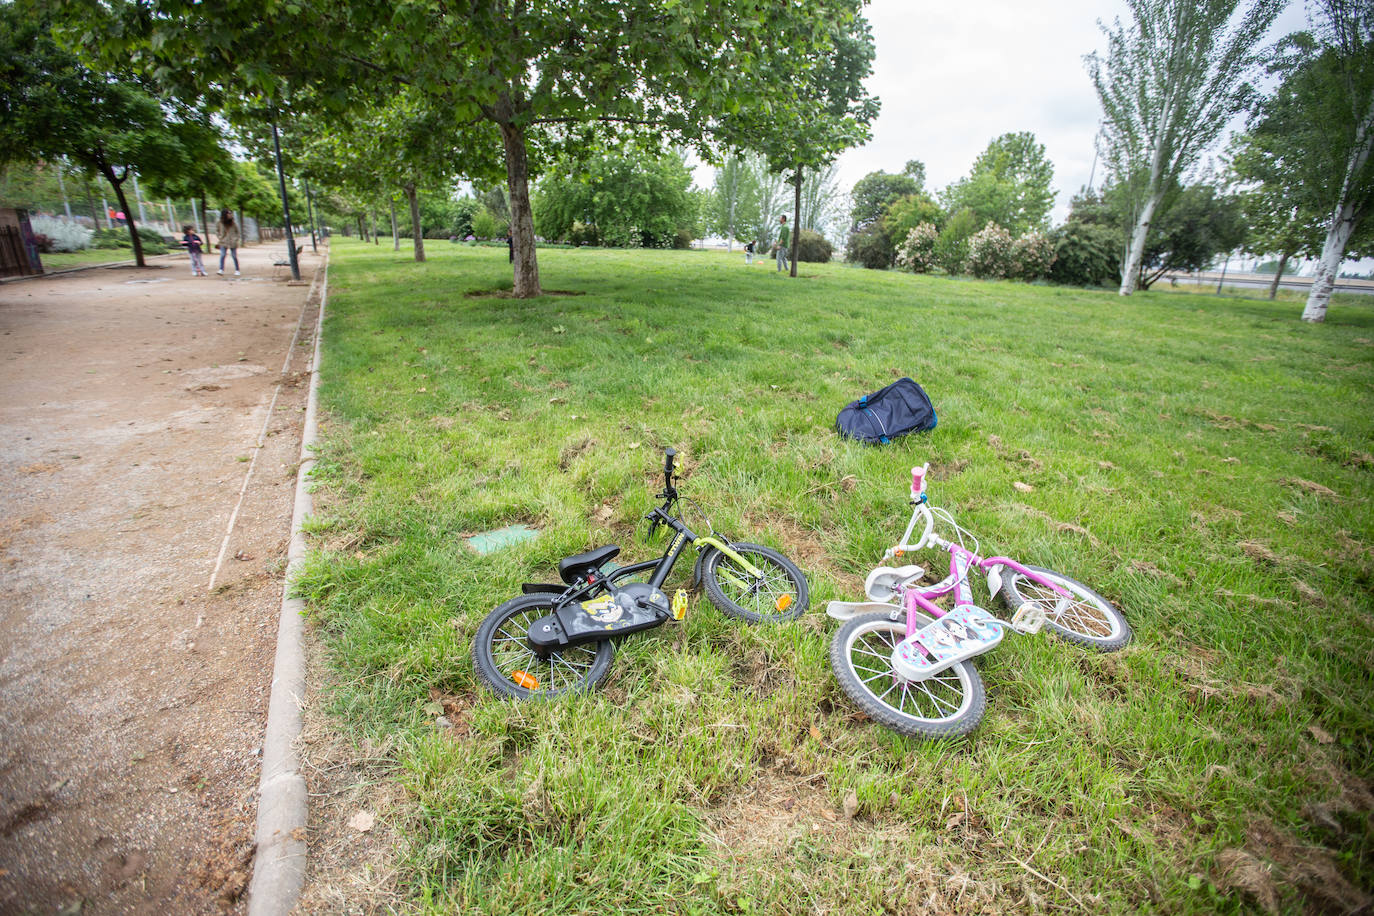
193	246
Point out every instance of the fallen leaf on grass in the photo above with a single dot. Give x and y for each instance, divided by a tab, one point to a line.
851	805
815	733
1022	487
362	822
1320	735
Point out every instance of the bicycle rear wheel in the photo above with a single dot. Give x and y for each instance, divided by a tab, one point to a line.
502	655
946	705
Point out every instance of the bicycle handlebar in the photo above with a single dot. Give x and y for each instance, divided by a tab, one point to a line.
669	454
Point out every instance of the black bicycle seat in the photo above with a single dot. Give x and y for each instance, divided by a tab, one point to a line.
570	569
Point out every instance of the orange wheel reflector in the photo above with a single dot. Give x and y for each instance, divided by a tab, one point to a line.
784	603
525	679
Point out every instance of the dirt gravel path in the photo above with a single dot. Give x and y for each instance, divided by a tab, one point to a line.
133	693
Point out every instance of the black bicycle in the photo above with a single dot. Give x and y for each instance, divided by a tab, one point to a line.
556	638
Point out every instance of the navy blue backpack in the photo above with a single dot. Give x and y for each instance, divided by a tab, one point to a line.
882	416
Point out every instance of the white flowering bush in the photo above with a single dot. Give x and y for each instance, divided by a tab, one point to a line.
62	234
917	252
991	253
1033	254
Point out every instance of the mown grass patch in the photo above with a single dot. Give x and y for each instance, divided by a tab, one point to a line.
1204	463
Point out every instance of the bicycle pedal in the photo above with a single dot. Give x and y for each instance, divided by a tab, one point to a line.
680	604
1029	618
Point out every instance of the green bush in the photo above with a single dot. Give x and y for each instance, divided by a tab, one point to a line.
683	239
870	247
917	253
1085	254
991	253
813	247
1033	254
951	248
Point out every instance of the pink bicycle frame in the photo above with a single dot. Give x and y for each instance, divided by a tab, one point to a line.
961	560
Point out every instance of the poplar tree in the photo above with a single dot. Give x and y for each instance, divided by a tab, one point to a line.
1168	85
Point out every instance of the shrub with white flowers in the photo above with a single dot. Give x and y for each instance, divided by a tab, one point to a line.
917	252
1034	255
62	234
991	253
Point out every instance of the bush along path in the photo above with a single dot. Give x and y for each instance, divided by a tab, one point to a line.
1204	462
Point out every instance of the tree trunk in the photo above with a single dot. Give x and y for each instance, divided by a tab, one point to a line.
1278	274
372	218
1131	270
204	222
730	242
118	185
526	265
1343	223
417	230
395	233
1333	252
362	233
796	222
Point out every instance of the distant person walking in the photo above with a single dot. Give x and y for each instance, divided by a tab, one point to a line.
749	252
229	239
193	248
784	238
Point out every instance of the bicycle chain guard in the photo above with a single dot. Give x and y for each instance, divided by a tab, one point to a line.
961	634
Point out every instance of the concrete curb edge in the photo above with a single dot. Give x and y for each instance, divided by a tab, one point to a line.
279	856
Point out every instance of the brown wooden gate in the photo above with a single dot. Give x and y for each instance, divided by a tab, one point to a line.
18	248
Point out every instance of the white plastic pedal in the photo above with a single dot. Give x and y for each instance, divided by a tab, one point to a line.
958	636
1029	618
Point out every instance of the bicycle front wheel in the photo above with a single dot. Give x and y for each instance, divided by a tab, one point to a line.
1087	619
502	655
777	594
945	705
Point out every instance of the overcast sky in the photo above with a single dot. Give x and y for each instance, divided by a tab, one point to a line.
952	76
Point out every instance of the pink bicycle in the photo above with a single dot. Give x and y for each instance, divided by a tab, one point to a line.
907	662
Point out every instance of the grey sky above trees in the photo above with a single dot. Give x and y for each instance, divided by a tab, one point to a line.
950	82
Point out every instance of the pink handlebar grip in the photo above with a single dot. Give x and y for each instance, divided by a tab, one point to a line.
918	479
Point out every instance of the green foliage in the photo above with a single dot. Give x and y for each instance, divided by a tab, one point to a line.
1200	224
1085	254
813	247
1033	254
906	213
1168	86
870	247
917	251
1008	185
951	248
633	199
991	254
874	192
487	225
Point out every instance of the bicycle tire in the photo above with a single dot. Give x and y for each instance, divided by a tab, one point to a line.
955	697
784	582
1091	621
500	653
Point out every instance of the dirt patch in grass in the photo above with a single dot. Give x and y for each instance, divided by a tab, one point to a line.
1309	486
1309	870
799	544
510	294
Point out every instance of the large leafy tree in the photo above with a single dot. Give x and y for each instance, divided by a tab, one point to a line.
1009	185
517	80
53	105
1311	142
1279	215
629	198
1168	86
873	193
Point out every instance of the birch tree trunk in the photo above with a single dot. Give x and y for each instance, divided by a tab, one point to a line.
1343	224
417	231
1131	270
395	235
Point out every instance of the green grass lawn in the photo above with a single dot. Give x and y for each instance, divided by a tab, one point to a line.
1204	462
61	260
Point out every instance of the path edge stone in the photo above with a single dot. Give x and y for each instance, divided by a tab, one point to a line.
283	801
